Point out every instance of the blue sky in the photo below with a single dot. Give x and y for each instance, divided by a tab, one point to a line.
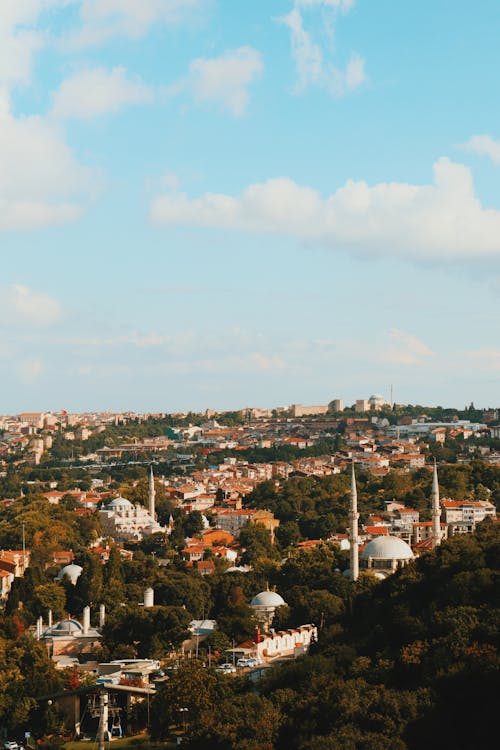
223	203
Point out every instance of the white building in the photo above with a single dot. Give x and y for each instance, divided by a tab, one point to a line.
361	405
232	520
123	521
294	642
461	516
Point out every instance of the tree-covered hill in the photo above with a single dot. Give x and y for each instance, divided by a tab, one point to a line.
408	663
413	664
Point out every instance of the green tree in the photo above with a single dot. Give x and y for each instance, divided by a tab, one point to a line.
191	687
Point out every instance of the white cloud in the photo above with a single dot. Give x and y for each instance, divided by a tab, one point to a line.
225	79
312	66
484	145
354	74
307	55
405	349
344	5
20	38
103	19
443	220
40	179
90	93
20	305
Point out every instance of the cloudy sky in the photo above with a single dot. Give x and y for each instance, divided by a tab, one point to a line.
222	203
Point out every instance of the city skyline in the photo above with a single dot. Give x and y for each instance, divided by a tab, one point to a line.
206	204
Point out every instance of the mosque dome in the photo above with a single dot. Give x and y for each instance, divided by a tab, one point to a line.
267	599
377	400
71	571
119	503
387	548
67	626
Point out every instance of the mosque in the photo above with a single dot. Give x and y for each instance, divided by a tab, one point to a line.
386	554
123	521
265	605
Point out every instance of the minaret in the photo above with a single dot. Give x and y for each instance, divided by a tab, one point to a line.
436	510
152	494
353	527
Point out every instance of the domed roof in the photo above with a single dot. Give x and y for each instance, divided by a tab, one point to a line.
119	503
387	548
72	571
67	626
267	599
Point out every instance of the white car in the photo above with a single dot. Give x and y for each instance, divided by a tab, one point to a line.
243	662
226	668
252	662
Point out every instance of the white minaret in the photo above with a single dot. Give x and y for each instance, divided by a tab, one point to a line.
436	510
86	620
353	527
152	494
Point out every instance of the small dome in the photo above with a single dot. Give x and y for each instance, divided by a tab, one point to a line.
72	571
387	548
67	626
377	400
119	503
267	599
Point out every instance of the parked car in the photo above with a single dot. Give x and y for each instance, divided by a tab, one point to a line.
242	662
253	662
226	668
11	745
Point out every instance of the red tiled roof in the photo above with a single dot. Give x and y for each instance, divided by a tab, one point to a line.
378	530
